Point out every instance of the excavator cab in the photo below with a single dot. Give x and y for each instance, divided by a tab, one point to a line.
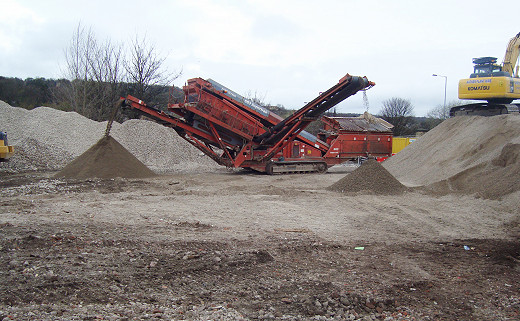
487	67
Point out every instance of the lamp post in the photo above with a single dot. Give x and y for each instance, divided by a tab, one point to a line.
445	85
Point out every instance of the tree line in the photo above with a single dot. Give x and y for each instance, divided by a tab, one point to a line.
99	71
30	93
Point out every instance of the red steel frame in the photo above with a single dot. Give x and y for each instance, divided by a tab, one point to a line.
213	116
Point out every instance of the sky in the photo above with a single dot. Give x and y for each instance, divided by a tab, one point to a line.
284	51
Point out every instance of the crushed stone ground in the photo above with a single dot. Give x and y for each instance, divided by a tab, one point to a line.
232	246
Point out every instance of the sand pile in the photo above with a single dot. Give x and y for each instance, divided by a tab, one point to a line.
510	155
106	159
456	145
370	177
49	139
492	180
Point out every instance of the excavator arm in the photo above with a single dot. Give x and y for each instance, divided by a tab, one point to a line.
511	56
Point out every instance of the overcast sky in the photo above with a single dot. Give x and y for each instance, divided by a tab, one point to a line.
286	51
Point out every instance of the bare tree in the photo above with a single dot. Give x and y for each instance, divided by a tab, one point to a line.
94	72
145	71
440	113
256	98
399	112
107	74
77	71
97	71
443	112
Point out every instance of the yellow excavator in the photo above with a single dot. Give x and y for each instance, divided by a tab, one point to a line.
6	151
499	85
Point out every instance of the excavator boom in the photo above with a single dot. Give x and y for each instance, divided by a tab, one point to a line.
511	56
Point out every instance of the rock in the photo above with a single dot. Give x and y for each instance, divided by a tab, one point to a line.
345	301
114	288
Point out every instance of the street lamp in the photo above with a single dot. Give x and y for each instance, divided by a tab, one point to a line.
445	85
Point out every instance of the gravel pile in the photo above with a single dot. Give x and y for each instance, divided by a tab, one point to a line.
49	139
370	177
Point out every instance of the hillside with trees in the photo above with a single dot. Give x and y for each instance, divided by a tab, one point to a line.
28	93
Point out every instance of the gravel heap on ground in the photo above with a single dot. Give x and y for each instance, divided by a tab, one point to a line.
370	177
49	139
457	144
106	159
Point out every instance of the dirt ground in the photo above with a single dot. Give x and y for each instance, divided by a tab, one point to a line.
238	245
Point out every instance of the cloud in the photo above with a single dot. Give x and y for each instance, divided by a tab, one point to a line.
15	21
289	50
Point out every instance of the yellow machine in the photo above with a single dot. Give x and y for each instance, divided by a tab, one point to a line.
6	151
499	85
399	143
